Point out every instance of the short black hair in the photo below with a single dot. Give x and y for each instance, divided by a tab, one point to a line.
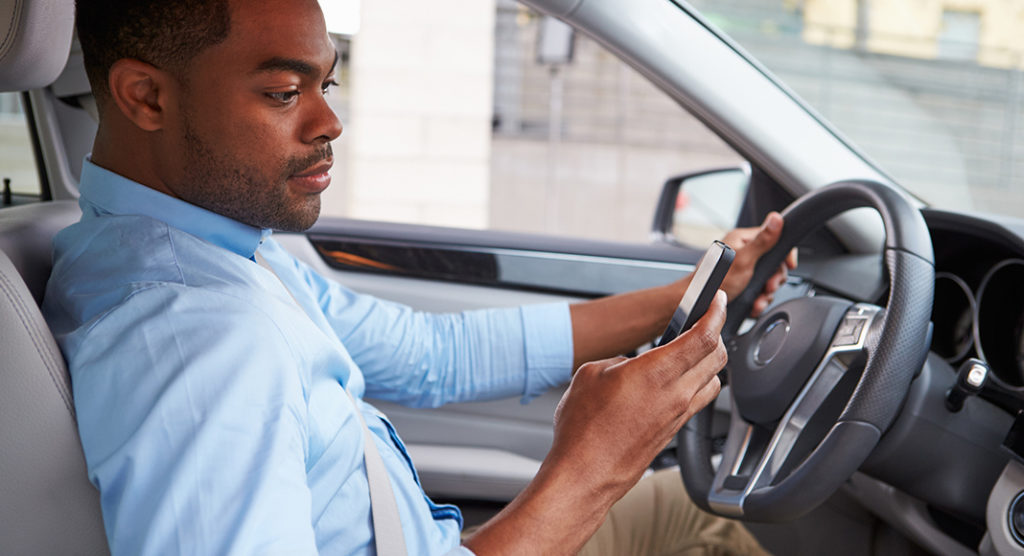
165	33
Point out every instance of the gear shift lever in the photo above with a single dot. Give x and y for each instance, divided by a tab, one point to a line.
970	379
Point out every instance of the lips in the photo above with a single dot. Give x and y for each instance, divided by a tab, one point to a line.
314	179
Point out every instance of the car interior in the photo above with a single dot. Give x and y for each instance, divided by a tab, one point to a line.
897	431
49	504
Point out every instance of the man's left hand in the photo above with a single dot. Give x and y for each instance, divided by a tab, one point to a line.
750	244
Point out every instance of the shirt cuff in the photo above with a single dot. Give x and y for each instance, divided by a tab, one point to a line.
459	551
547	333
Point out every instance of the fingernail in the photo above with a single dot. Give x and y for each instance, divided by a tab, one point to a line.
774	223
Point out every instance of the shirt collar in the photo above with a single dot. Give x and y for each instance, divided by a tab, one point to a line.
116	194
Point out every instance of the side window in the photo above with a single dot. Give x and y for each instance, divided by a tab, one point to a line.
19	177
930	91
504	119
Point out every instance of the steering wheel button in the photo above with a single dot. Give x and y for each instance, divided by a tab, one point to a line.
847	340
849	331
858	327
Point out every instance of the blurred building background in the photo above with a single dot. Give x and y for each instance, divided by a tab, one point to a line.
456	122
453	120
454	116
929	89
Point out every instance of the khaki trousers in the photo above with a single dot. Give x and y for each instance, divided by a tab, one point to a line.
657	518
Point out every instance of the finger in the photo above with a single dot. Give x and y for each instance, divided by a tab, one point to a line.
695	376
713	320
690	407
768	293
780	280
693	345
699	385
791	259
760	304
704	396
776	281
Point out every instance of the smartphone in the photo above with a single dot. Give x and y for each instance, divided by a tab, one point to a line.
711	270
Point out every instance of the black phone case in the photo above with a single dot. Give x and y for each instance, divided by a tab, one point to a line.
683	321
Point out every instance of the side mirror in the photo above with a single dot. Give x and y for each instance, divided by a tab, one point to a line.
698	208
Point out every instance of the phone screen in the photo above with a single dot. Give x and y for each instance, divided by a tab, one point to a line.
707	278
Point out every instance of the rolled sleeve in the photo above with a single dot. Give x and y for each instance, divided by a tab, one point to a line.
547	338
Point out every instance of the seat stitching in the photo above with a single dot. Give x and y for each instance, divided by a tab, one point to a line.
8	288
8	38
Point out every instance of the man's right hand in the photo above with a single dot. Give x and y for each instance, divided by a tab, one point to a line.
616	416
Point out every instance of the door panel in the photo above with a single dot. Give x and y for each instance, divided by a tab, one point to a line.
486	450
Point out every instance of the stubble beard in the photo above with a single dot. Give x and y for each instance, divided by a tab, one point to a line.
240	192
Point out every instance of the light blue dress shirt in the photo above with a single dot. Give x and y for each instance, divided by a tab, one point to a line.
211	407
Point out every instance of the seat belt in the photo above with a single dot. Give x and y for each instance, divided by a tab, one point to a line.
383	506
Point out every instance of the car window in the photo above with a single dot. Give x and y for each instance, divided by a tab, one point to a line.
931	91
504	119
17	161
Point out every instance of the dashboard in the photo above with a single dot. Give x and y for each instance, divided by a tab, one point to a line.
978	312
979	293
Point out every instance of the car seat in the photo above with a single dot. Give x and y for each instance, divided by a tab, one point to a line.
47	505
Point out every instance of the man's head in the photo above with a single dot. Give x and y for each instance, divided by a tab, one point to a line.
217	102
164	34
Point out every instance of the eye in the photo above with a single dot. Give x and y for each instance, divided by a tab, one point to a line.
326	87
283	97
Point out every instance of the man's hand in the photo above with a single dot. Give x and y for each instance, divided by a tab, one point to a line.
619	413
750	244
612	421
612	325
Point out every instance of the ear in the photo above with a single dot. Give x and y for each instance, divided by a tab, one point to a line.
141	91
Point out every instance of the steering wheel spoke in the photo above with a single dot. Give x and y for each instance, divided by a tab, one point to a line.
754	457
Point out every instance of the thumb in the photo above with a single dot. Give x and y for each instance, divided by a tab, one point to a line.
767	236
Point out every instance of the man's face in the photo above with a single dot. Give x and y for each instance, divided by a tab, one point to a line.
252	140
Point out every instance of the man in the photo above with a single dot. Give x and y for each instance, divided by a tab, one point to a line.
213	395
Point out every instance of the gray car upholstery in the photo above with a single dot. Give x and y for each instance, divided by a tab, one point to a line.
26	234
47	505
35	37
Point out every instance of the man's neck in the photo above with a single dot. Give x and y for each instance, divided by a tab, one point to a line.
126	153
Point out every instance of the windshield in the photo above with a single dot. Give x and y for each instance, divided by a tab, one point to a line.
929	92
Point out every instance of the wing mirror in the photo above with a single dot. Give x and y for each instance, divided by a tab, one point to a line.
698	208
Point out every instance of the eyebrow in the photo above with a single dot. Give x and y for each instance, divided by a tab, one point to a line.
293	65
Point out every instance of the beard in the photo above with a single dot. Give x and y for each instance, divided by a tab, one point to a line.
226	186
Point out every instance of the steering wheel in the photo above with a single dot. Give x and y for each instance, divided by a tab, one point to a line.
791	441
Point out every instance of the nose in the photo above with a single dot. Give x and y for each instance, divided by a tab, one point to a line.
323	125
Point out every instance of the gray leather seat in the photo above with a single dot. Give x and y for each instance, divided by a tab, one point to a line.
47	505
26	236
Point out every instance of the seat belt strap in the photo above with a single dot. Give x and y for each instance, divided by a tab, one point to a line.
383	506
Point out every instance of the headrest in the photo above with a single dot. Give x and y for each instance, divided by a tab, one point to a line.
35	37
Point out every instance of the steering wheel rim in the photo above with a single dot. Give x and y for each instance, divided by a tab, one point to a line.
894	342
